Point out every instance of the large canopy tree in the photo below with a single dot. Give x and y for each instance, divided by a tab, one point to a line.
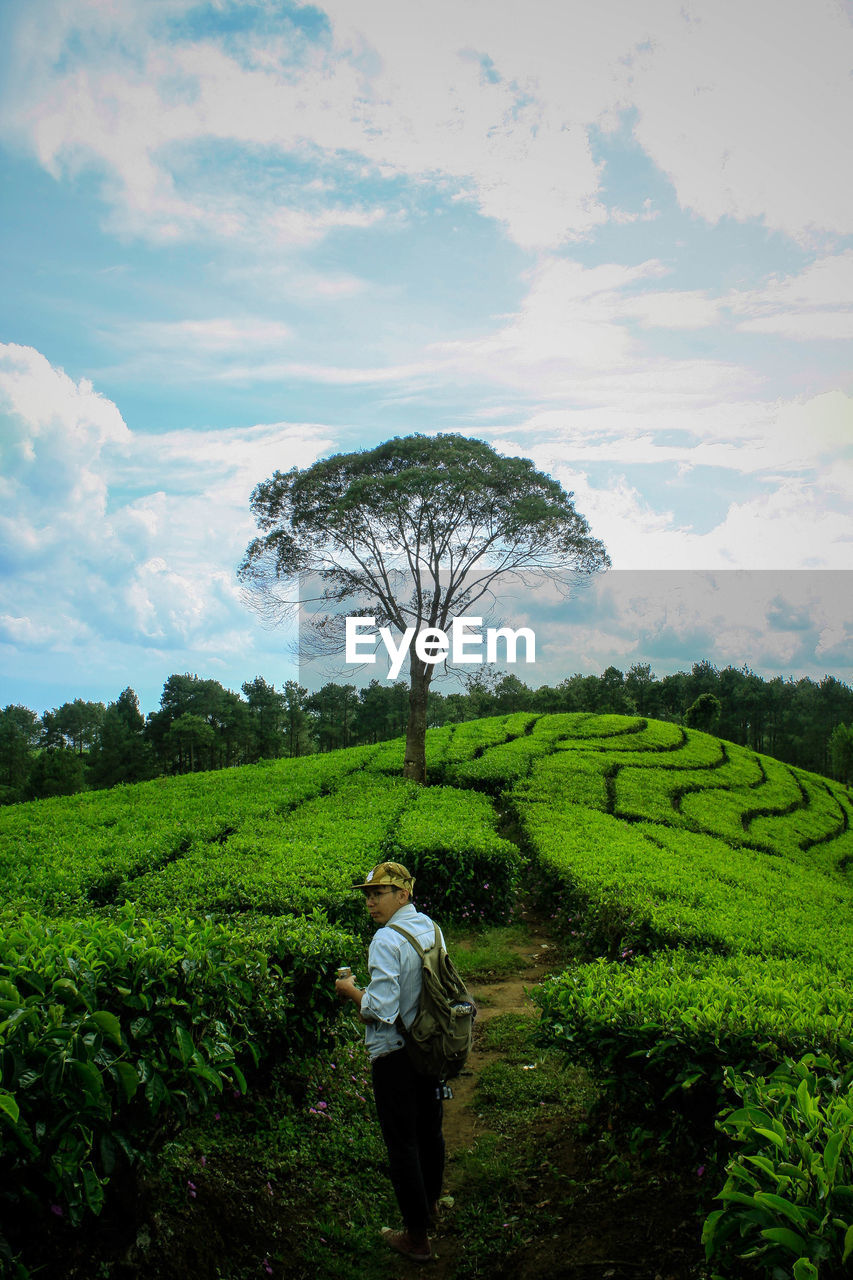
418	531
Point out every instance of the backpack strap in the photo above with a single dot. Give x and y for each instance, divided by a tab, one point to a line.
420	950
399	1024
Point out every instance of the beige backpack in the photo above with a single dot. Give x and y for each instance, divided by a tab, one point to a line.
439	1039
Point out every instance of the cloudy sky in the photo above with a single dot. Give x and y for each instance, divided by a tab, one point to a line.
239	235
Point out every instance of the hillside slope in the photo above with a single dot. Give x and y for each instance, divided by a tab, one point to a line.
704	890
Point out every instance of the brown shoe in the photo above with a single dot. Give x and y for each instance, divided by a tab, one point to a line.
416	1248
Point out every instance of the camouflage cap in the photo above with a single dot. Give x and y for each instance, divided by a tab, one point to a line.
392	874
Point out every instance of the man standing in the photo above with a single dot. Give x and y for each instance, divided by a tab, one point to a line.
408	1105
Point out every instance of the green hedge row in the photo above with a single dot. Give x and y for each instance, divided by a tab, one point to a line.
307	858
715	883
76	853
112	1031
661	1026
448	839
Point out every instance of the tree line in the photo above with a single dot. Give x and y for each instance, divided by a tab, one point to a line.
201	725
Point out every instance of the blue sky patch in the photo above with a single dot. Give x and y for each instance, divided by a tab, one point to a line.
243	236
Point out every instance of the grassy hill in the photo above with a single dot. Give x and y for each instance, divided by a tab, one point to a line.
167	941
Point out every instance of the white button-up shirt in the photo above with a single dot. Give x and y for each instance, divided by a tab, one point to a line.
395	980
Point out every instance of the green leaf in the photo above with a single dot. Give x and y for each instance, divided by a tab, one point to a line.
66	986
109	1024
709	1230
128	1078
804	1098
156	1091
736	1197
89	1075
107	1148
206	1073
10	1106
785	1236
773	1137
805	1270
93	1191
186	1048
831	1155
797	1214
766	1165
848	1244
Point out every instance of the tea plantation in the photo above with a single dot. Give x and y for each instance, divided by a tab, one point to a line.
162	943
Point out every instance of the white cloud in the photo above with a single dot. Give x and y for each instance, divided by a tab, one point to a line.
817	303
800	517
573	337
572	340
32	633
331	375
112	535
215	335
768	440
745	109
674	310
835	326
55	432
671	618
790	527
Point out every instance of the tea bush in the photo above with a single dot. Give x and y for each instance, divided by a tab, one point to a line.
448	839
79	853
308	857
113	1031
788	1197
656	1028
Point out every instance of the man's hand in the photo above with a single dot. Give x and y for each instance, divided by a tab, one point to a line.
347	990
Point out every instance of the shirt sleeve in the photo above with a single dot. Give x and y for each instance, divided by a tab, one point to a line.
381	999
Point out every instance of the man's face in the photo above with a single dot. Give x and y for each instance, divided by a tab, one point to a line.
383	901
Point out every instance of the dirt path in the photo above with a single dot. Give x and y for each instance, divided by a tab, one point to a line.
462	1125
495	997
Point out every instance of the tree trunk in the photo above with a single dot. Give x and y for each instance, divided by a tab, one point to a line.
414	765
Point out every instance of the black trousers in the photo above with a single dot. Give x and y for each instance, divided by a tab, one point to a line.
410	1116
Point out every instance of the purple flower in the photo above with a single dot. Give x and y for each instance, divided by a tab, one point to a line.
58	1210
